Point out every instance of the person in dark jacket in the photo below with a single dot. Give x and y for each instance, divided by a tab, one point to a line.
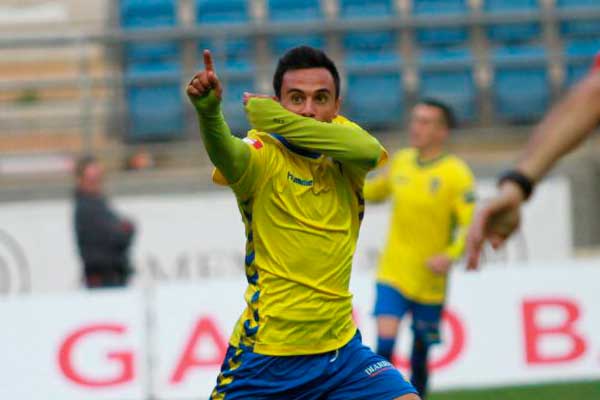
103	237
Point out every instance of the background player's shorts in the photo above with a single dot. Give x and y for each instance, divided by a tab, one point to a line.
353	372
426	317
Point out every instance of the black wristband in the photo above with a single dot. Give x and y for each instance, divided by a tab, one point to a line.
525	183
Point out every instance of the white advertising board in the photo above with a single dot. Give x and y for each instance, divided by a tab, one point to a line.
201	236
74	346
503	326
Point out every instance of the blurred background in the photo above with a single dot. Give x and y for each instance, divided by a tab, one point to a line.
107	78
86	77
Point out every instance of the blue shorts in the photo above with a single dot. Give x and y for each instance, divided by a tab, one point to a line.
426	317
353	372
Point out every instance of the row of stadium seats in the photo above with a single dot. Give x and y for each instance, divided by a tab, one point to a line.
237	10
520	90
445	65
153	13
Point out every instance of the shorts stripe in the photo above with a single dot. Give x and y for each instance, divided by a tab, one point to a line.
226	377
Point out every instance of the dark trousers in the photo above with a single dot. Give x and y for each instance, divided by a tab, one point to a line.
94	280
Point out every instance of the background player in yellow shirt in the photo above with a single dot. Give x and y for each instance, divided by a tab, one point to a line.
433	201
298	178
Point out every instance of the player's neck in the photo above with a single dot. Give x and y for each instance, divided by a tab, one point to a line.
430	153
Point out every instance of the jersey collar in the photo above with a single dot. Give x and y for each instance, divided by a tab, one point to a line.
424	164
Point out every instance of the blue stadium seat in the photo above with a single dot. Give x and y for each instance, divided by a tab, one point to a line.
441	8
371	43
579	27
222	11
233	108
579	56
366	8
447	75
281	43
155	108
375	89
294	10
356	62
521	86
136	14
143	52
231	53
373	66
513	32
148	14
375	99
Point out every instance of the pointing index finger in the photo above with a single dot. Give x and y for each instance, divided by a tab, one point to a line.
208	61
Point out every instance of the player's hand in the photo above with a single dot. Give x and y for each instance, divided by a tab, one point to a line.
440	264
247	96
495	222
205	90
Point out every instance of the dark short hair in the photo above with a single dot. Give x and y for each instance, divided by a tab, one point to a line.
447	112
303	57
82	163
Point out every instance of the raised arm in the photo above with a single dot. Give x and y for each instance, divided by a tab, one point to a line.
228	153
346	143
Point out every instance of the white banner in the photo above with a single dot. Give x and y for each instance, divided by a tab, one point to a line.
200	236
193	325
513	326
502	327
74	346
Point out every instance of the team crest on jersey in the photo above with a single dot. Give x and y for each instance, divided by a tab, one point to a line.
257	144
434	185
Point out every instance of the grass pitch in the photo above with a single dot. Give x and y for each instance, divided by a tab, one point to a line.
570	390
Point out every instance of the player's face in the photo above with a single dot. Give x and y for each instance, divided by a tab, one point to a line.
427	127
92	179
310	92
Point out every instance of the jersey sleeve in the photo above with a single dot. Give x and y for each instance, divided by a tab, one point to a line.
357	172
377	189
226	151
342	140
256	171
463	205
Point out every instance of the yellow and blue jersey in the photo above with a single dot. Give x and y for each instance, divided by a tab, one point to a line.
432	206
302	212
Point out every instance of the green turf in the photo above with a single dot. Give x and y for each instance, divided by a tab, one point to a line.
575	390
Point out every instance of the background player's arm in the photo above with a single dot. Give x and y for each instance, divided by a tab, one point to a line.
346	143
227	152
463	208
377	189
463	205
